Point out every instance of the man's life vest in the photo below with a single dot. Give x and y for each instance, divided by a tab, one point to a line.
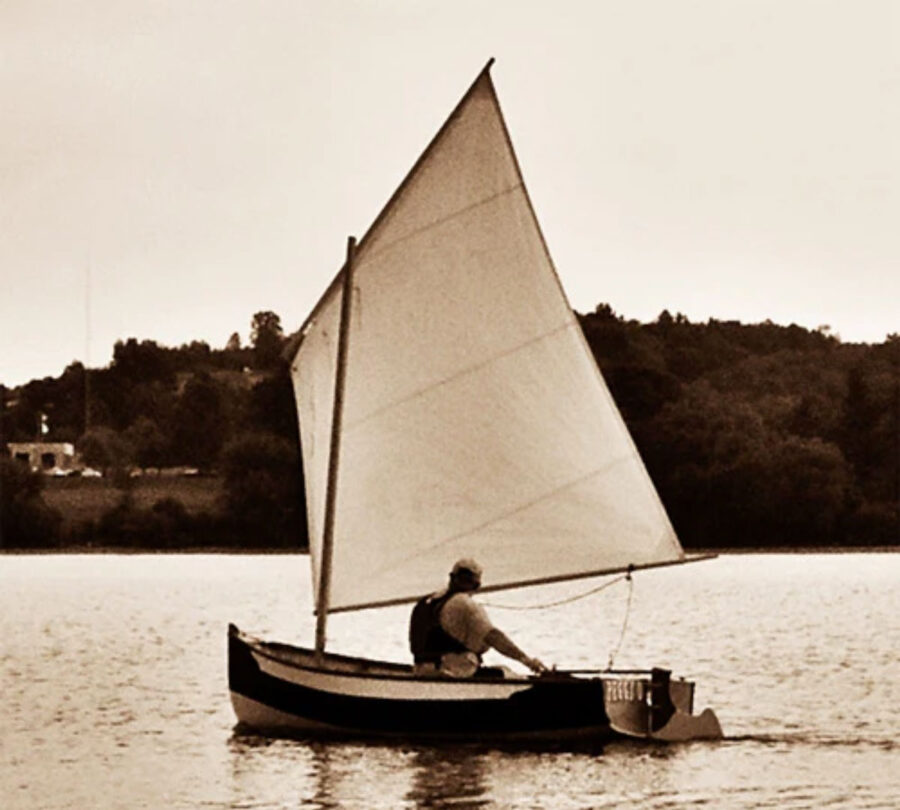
428	641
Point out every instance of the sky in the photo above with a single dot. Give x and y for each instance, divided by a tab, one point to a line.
170	167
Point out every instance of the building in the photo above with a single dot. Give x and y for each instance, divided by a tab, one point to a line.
48	457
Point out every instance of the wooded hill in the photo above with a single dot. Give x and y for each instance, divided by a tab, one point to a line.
755	435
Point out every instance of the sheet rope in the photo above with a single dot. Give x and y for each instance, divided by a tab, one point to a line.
565	601
615	651
626	576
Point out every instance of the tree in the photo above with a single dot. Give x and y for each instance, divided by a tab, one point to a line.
234	343
5	418
267	338
142	362
264	490
147	441
195	355
167	524
25	520
201	422
729	478
868	431
106	450
271	407
110	402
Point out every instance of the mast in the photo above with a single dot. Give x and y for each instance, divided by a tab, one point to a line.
322	597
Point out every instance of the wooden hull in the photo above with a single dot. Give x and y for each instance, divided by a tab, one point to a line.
279	689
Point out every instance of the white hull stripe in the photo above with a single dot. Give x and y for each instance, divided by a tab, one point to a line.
395	688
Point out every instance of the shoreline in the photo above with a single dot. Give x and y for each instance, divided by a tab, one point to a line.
737	550
130	550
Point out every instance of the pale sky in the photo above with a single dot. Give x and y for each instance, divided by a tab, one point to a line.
201	160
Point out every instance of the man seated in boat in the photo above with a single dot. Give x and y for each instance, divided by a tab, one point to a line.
449	631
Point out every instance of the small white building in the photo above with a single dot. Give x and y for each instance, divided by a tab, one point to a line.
46	457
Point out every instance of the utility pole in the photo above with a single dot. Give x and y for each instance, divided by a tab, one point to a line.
87	347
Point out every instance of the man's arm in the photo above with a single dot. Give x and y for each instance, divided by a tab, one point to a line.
504	645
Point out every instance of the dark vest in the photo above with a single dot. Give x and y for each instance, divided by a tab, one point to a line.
428	641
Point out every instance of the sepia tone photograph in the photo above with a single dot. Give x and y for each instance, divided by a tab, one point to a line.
421	405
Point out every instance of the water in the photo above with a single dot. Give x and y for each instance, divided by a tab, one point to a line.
114	689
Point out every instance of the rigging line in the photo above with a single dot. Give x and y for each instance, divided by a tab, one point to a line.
559	602
615	651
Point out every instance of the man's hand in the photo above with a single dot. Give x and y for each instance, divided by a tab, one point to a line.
504	645
535	665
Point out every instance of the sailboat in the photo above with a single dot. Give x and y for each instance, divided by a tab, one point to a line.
450	407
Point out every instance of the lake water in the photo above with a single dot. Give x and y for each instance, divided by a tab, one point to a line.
114	693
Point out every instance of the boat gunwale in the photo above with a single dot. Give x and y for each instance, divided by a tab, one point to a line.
404	672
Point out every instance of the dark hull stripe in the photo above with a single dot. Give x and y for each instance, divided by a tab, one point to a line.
553	710
261	718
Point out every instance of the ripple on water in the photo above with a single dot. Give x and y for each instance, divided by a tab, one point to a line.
114	693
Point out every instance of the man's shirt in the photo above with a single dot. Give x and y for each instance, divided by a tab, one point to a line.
467	621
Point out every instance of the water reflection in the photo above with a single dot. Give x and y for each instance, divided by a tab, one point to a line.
326	774
442	775
300	775
327	778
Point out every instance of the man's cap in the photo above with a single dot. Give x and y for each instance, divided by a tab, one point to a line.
466	564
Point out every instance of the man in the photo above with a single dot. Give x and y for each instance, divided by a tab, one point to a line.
449	631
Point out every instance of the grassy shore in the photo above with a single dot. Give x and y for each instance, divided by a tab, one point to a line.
83	501
79	500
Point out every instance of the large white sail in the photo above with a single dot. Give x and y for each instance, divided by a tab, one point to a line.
476	422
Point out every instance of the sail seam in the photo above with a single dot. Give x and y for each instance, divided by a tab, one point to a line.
459	374
520	508
435	223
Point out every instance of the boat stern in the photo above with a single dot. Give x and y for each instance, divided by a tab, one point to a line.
657	708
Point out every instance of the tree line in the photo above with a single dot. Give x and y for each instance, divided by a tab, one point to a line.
755	435
759	435
227	413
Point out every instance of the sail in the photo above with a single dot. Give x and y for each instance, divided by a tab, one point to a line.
475	422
